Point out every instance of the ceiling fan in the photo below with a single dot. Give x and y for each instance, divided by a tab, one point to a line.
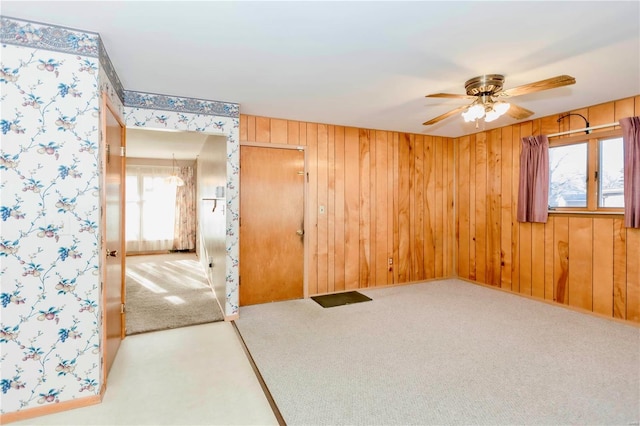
487	94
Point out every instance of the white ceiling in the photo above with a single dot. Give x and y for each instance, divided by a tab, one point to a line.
358	63
148	143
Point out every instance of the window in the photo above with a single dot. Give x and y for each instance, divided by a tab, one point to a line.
586	174
150	208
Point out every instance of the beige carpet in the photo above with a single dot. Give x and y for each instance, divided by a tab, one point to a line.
167	291
445	352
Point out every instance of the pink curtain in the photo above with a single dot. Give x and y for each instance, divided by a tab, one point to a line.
631	143
185	224
533	192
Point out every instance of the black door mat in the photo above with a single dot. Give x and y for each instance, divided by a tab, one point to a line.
339	299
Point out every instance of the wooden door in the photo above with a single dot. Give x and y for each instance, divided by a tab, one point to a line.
113	239
271	224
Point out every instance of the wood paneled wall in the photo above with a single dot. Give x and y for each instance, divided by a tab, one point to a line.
587	261
386	195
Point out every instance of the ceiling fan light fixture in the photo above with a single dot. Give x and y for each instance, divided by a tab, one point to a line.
487	89
474	112
496	110
501	107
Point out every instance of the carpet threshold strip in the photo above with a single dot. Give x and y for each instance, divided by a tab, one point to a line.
263	384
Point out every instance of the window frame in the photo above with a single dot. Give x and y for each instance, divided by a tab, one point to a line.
593	170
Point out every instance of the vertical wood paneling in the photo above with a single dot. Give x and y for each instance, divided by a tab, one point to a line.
251	128
515	226
450	254
548	259
463	201
391	191
263	130
633	275
601	114
537	260
331	209
505	209
619	269
623	108
278	130
365	213
302	134
381	207
404	211
440	234
352	208
311	232
472	207
549	125
494	207
339	236
418	219
428	209
561	259
322	193
603	266
580	262
243	128
372	209
293	133
525	245
481	208
396	207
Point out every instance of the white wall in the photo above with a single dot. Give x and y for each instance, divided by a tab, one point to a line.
212	173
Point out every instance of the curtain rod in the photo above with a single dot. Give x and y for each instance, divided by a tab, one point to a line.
586	129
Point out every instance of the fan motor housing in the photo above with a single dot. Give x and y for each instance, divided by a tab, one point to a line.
484	85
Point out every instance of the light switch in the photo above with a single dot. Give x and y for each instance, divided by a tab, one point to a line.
321	209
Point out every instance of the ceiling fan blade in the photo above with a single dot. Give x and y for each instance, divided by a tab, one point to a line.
449	95
445	115
518	112
550	83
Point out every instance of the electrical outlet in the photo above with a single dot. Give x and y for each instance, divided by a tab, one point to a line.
391	261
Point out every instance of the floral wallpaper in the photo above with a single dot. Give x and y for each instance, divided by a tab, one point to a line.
216	124
49	238
51	80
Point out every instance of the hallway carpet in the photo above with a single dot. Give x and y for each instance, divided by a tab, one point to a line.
168	291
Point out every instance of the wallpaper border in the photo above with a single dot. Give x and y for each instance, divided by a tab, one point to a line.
38	35
180	104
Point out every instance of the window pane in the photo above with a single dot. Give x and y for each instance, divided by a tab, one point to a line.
133	221
611	176
131	192
568	176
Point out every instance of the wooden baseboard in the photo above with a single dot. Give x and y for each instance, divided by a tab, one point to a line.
229	318
552	303
30	413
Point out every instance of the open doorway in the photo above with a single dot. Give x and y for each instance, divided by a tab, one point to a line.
168	273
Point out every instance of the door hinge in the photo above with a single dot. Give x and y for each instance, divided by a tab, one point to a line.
596	175
123	151
239	280
108	153
122	308
307	177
